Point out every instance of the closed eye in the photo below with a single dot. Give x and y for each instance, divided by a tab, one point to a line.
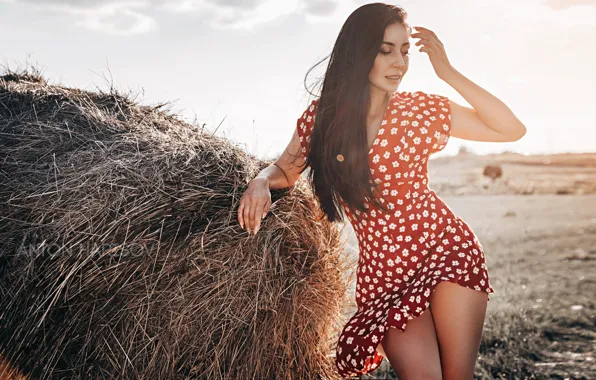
407	52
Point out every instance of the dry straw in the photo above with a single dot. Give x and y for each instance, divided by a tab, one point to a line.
122	257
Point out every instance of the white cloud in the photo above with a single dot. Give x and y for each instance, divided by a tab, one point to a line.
105	16
128	17
115	20
564	4
320	7
565	13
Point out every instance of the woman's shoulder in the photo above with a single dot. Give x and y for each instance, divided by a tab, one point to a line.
419	99
310	111
405	99
425	96
418	94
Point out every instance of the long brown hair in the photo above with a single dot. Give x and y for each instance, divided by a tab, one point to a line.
341	114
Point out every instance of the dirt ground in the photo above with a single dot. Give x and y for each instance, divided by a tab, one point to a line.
538	174
537	225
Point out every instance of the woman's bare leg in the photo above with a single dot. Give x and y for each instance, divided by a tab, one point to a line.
458	314
414	353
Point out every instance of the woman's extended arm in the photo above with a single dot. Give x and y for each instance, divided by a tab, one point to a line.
283	173
489	119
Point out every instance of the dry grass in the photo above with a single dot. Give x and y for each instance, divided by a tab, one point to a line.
122	256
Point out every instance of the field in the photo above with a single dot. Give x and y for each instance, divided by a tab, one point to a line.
537	224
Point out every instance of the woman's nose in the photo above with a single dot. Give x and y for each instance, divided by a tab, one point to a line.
399	62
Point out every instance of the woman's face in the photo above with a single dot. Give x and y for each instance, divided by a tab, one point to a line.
392	59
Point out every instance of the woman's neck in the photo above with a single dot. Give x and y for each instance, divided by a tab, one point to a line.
379	100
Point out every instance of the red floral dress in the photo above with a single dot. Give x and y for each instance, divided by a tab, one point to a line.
405	252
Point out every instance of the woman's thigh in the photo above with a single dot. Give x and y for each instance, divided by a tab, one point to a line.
413	353
458	314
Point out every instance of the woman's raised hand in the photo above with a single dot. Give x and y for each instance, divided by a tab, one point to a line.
432	46
254	204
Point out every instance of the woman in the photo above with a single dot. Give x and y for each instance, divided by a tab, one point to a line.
367	144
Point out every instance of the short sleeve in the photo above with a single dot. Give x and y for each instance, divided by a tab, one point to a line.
305	124
437	120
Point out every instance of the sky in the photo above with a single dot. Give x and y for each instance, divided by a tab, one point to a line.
238	66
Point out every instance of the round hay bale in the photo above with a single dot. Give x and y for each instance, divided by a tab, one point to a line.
122	257
492	171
